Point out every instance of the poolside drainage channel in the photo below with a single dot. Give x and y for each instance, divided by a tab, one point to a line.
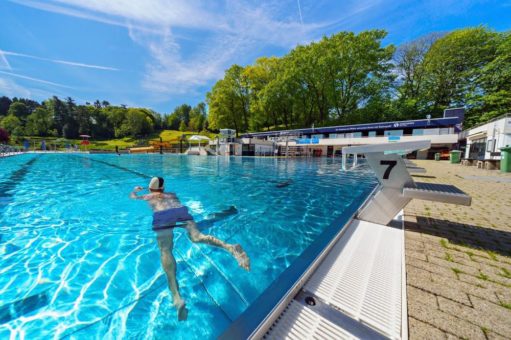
235	290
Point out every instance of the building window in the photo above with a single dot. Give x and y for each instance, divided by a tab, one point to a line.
371	134
477	149
394	133
490	145
418	132
431	132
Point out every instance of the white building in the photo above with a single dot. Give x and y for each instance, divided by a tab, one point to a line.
484	141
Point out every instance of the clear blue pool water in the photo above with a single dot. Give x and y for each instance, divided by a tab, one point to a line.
78	258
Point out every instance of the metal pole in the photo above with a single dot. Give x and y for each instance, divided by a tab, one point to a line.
161	146
287	147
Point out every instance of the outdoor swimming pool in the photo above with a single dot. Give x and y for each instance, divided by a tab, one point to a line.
78	257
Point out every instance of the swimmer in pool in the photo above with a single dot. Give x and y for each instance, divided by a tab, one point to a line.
167	211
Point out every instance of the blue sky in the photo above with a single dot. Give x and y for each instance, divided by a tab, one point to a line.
162	53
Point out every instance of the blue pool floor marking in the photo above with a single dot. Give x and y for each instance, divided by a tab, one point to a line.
182	257
23	306
15	178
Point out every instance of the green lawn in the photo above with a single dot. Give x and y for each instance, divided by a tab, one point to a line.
110	144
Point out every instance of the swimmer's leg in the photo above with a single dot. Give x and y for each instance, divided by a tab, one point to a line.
165	240
234	249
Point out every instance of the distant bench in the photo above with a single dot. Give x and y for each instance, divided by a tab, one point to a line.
488	164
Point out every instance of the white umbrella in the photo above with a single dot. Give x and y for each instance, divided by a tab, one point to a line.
199	138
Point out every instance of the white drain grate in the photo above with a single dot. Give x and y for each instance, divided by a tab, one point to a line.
300	322
361	276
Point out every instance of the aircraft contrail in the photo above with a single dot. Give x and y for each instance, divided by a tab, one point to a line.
300	11
57	61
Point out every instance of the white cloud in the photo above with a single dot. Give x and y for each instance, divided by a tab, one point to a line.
9	88
57	61
221	32
224	33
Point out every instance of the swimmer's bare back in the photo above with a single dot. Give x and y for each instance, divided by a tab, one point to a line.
160	200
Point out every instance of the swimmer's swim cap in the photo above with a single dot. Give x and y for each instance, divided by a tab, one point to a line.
156	183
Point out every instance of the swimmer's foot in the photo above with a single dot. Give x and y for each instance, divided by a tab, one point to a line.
182	311
240	256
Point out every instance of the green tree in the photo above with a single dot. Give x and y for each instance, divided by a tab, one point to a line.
453	66
116	116
197	117
173	121
410	66
83	116
19	110
39	123
495	82
12	124
136	123
101	125
59	112
5	103
182	112
228	101
182	126
259	78
355	68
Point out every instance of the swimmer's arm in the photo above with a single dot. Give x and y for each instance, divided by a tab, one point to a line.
133	194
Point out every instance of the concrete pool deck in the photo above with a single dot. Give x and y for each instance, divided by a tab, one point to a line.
458	258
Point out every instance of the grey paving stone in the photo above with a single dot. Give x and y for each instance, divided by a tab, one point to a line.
448	264
494	336
446	322
419	296
416	254
439	288
433	268
485	225
482	292
419	330
484	314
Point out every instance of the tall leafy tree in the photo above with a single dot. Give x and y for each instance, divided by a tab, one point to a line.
410	68
40	123
197	117
19	109
12	124
357	68
494	99
5	103
453	66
